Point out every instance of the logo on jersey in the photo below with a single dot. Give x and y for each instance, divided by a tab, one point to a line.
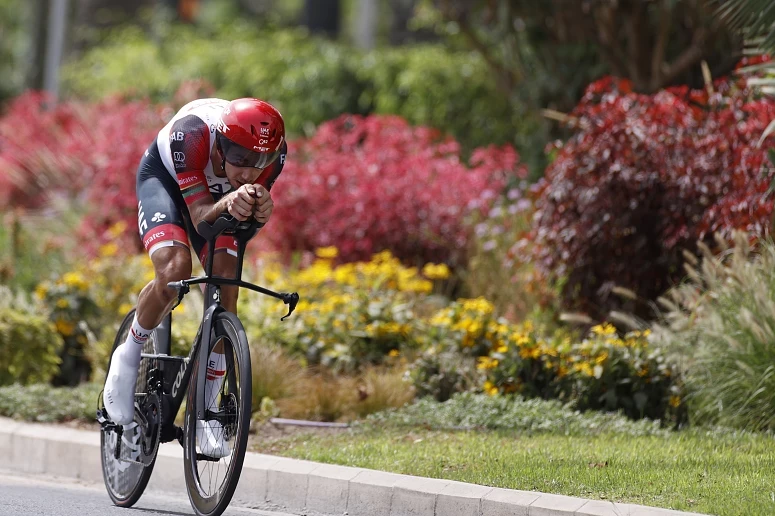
158	216
179	156
177	136
142	224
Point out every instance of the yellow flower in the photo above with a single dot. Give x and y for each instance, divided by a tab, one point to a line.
41	290
487	363
604	329
394	353
62	303
601	357
435	272
584	368
75	280
490	388
108	250
124	308
117	229
675	401
502	348
421	286
562	371
327	252
480	305
66	328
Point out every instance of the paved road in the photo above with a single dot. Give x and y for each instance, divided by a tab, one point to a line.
45	496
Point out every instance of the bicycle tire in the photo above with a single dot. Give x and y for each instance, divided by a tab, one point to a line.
126	481
226	327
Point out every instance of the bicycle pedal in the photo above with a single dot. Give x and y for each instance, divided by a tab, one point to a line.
201	456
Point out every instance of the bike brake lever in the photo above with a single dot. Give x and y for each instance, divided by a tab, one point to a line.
291	300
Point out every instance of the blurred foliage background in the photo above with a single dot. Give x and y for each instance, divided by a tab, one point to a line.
476	190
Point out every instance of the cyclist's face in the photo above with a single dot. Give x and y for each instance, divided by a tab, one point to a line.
239	176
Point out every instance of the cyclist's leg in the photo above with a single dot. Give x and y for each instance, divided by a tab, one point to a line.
224	264
162	229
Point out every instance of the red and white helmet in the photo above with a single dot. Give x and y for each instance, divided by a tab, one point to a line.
250	133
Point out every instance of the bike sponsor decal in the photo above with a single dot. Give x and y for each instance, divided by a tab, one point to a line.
182	371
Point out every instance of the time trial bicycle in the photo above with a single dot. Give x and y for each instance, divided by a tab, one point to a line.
129	451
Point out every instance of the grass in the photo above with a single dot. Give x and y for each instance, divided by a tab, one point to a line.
511	443
586	455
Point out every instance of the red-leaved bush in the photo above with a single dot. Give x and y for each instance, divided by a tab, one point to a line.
645	177
375	183
86	152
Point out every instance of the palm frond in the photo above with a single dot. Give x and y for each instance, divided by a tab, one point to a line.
755	17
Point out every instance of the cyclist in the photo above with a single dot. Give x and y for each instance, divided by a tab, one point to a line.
214	156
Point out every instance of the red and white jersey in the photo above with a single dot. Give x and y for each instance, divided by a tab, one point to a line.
185	145
186	142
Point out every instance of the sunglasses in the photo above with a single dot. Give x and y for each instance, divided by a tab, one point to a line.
239	156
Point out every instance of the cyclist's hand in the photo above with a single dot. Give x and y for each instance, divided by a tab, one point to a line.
240	204
264	204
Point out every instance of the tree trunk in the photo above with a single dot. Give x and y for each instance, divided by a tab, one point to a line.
34	76
366	24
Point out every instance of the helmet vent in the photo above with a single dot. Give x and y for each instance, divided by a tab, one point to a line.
253	131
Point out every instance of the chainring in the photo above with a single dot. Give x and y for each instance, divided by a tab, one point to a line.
148	416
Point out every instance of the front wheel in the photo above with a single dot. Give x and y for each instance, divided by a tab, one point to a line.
211	477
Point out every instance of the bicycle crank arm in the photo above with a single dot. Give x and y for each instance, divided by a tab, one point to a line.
163	356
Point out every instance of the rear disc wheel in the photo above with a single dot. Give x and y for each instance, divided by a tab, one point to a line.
126	477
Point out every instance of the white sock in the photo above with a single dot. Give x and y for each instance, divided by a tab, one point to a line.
216	369
135	341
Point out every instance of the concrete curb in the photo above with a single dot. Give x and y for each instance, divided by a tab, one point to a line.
302	487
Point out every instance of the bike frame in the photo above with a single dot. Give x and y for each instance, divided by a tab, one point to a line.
176	371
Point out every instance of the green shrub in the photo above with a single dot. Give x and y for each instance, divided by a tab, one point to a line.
721	323
43	403
477	411
430	85
442	373
350	315
599	372
310	79
29	343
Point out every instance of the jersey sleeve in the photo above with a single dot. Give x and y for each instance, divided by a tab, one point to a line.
190	148
272	172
